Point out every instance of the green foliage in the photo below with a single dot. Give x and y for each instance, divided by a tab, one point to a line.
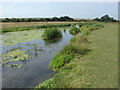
60	60
64	18
22	36
65	29
15	55
78	45
86	28
15	65
51	33
15	29
65	61
74	30
47	84
105	18
36	27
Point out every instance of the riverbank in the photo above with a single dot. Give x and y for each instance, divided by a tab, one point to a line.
98	68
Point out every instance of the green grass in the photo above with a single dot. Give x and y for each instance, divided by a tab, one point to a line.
74	30
51	33
103	60
98	68
35	27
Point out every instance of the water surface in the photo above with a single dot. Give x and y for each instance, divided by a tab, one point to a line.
35	69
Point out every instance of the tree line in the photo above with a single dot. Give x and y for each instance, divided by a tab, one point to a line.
64	18
105	18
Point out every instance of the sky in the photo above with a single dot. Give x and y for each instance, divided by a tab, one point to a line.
86	10
59	0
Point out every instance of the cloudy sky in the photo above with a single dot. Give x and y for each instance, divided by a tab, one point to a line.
74	9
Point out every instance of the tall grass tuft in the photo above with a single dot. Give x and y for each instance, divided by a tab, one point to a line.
77	45
74	30
51	33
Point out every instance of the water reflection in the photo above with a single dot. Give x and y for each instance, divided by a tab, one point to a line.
35	69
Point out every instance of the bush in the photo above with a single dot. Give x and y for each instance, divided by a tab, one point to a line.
47	84
51	33
64	29
79	45
74	30
60	60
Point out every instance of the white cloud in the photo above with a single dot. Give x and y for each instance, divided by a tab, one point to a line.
59	0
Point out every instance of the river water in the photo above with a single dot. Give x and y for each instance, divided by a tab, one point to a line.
34	70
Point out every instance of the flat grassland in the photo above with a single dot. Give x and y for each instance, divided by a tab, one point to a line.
103	61
99	68
6	25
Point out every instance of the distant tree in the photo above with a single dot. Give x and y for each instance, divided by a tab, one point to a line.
105	18
65	18
96	19
29	19
41	19
55	19
7	19
17	20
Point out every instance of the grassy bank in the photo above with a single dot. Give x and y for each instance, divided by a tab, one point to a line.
88	62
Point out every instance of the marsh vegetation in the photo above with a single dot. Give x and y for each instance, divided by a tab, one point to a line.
51	34
63	62
28	54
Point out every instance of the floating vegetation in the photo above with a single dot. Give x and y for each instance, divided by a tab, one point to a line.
13	38
13	49
16	65
15	55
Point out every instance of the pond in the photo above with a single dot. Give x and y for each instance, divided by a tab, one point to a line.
26	57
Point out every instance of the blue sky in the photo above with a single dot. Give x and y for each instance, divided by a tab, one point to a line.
87	10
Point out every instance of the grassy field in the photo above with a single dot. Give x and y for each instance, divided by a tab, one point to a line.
102	62
98	68
6	25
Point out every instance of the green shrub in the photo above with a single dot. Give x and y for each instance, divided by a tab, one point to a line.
65	29
74	30
51	33
77	45
47	84
60	60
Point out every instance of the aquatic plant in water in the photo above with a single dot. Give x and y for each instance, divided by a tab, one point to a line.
16	65
13	38
74	30
15	55
51	34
